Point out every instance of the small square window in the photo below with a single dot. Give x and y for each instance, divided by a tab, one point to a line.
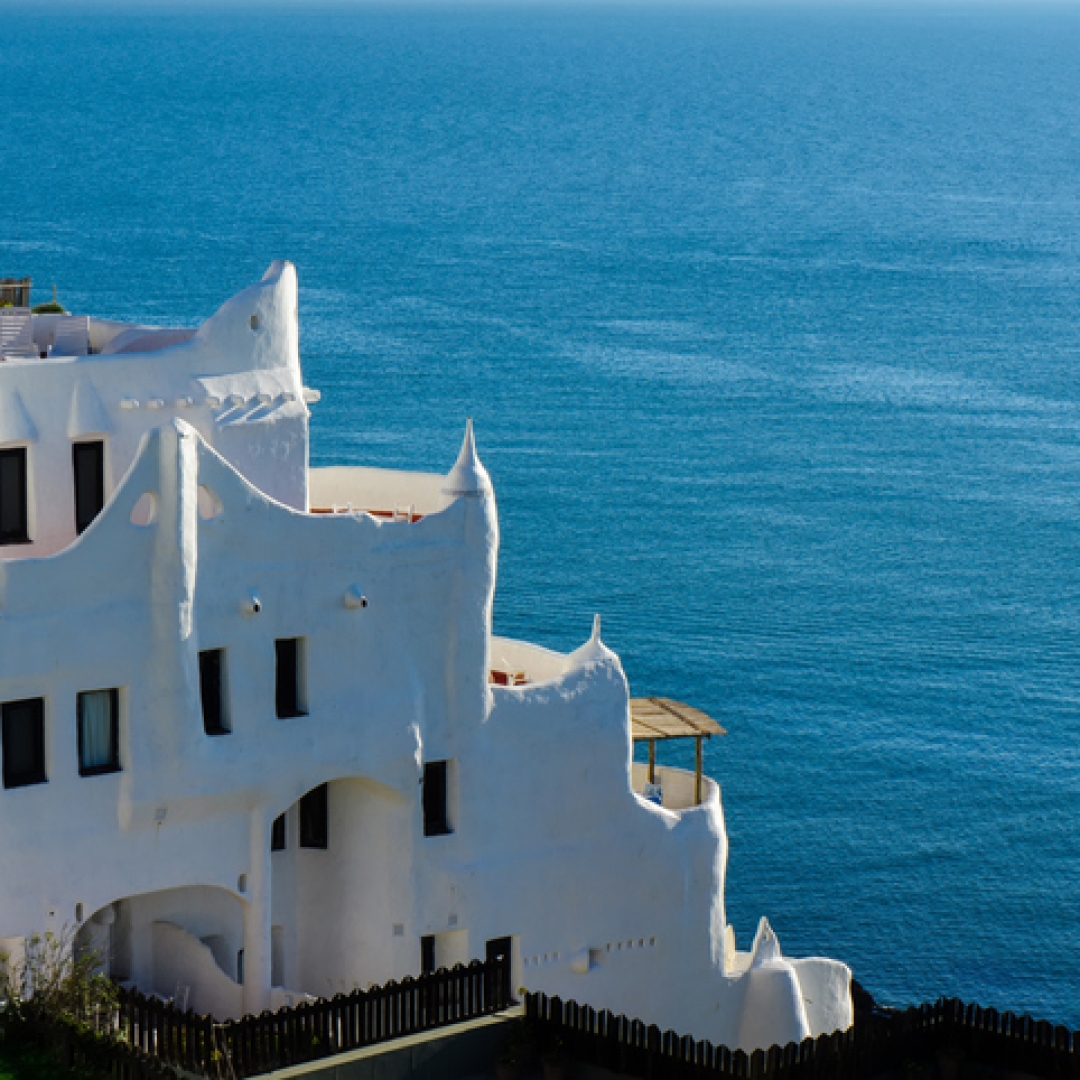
314	819
99	731
289	681
278	834
23	742
212	689
436	818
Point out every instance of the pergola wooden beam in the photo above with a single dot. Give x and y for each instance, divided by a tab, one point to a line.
656	718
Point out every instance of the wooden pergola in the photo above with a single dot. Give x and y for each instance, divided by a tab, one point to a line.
656	718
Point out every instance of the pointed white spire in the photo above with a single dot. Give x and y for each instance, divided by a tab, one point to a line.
766	945
594	650
468	478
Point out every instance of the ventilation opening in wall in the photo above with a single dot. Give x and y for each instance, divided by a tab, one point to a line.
145	510
253	322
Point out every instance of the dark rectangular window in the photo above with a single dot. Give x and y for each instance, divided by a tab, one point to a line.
14	524
23	742
88	461
212	691
99	731
277	834
436	820
314	825
289	677
427	954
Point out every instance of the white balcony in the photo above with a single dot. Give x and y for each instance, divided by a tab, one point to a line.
671	788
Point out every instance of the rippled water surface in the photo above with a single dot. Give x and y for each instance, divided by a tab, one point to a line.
768	323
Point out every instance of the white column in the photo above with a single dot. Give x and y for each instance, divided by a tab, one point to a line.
257	919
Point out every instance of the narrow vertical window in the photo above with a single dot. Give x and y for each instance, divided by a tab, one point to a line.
314	819
88	462
436	819
427	954
99	731
289	677
22	742
277	835
212	691
14	524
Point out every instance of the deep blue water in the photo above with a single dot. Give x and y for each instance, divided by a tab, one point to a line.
768	323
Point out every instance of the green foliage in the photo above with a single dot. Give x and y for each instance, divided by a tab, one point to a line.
55	980
25	1063
50	307
53	1004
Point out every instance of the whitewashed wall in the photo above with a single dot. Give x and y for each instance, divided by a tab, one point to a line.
609	899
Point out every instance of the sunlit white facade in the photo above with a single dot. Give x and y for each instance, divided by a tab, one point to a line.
255	742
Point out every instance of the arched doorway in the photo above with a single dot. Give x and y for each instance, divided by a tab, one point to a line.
184	945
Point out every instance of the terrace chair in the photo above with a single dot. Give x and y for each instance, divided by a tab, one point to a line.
17	333
72	336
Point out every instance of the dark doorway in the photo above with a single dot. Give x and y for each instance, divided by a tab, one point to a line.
427	954
497	983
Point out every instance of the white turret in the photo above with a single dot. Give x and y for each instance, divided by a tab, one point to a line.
468	478
594	651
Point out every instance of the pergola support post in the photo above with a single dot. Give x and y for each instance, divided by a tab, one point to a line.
697	771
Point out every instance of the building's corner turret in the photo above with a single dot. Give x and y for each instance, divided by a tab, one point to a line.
468	483
594	651
258	328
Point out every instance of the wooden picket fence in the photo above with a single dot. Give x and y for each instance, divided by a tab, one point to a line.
947	1033
257	1044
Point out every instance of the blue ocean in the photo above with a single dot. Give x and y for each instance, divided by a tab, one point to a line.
769	322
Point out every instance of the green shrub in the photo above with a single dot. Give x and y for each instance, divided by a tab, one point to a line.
55	980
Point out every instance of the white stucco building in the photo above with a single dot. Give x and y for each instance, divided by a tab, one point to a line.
253	745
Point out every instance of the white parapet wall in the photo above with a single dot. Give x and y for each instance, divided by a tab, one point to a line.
341	488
